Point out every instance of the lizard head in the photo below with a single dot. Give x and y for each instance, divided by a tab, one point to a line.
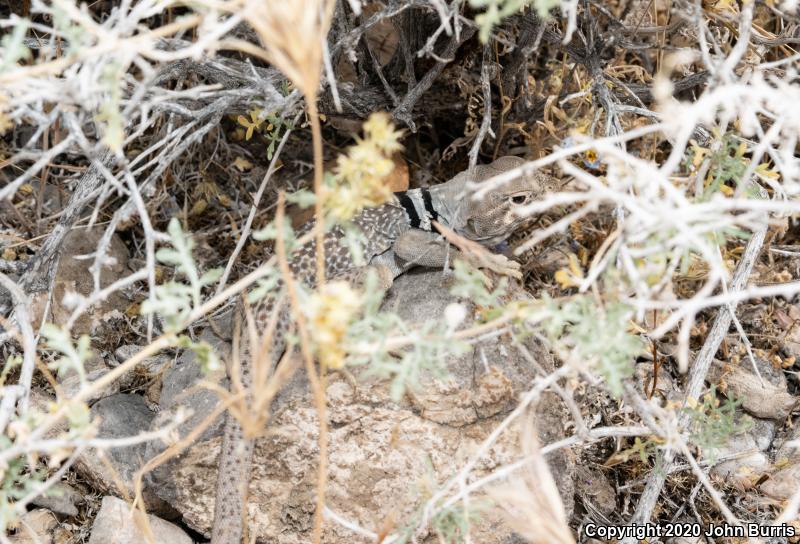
493	218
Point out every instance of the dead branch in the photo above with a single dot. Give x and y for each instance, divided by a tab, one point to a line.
403	111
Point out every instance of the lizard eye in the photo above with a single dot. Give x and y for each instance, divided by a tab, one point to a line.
519	199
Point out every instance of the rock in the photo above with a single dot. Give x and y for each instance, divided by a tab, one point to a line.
763	432
782	484
178	391
789	447
115	523
73	275
788	317
382	453
121	415
61	499
72	384
123	353
745	470
592	486
687	539
35	527
769	400
481	383
665	389
377	457
146	369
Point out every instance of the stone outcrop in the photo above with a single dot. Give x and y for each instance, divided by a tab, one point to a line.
385	457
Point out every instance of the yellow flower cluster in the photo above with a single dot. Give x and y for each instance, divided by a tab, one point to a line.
360	174
330	310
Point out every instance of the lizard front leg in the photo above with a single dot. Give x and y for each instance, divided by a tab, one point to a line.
418	247
424	248
479	255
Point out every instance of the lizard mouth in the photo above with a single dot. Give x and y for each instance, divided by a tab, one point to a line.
496	236
489	239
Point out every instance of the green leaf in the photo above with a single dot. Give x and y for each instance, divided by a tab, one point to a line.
263	287
75	357
597	334
207	357
176	232
269	232
12	45
303	198
78	415
169	256
211	276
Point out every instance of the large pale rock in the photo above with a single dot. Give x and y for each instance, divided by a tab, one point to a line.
746	453
765	397
384	456
747	463
594	490
73	276
35	527
115	523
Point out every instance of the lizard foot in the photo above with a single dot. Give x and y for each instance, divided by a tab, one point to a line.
484	259
479	256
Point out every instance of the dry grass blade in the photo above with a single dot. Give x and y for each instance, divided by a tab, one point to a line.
288	32
532	504
317	380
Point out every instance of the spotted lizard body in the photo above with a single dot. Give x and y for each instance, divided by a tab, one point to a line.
398	236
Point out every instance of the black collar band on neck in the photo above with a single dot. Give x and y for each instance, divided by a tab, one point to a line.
418	205
426	198
408	205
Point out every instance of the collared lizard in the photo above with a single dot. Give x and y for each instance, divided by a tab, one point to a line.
398	235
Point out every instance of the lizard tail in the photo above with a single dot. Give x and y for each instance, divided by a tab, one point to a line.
231	499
